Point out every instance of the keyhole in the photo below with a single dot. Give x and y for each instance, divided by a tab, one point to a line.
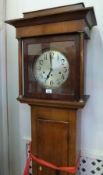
40	168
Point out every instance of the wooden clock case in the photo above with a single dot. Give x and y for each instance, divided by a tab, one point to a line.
54	116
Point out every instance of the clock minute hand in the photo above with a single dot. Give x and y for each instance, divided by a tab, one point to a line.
50	60
50	66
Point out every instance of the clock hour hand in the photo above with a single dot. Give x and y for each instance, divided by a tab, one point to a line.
49	74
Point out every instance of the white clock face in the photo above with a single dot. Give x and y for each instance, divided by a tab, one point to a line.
51	69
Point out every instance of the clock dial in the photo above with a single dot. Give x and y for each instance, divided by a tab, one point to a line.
51	69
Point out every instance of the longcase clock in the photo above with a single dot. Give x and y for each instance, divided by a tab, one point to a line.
52	47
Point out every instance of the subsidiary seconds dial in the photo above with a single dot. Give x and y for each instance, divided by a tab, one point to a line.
51	69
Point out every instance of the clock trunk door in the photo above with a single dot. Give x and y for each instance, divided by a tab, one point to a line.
52	141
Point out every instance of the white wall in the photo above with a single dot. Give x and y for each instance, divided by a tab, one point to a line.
0	125
3	96
0	97
91	125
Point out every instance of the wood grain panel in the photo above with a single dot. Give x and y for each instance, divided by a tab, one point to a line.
55	10
81	66
53	142
48	123
52	28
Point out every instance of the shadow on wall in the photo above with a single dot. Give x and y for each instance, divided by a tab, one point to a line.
91	126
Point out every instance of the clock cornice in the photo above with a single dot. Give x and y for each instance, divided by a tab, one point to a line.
81	19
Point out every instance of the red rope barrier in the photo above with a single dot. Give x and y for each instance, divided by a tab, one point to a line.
50	165
47	164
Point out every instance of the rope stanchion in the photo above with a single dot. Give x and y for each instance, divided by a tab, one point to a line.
71	170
